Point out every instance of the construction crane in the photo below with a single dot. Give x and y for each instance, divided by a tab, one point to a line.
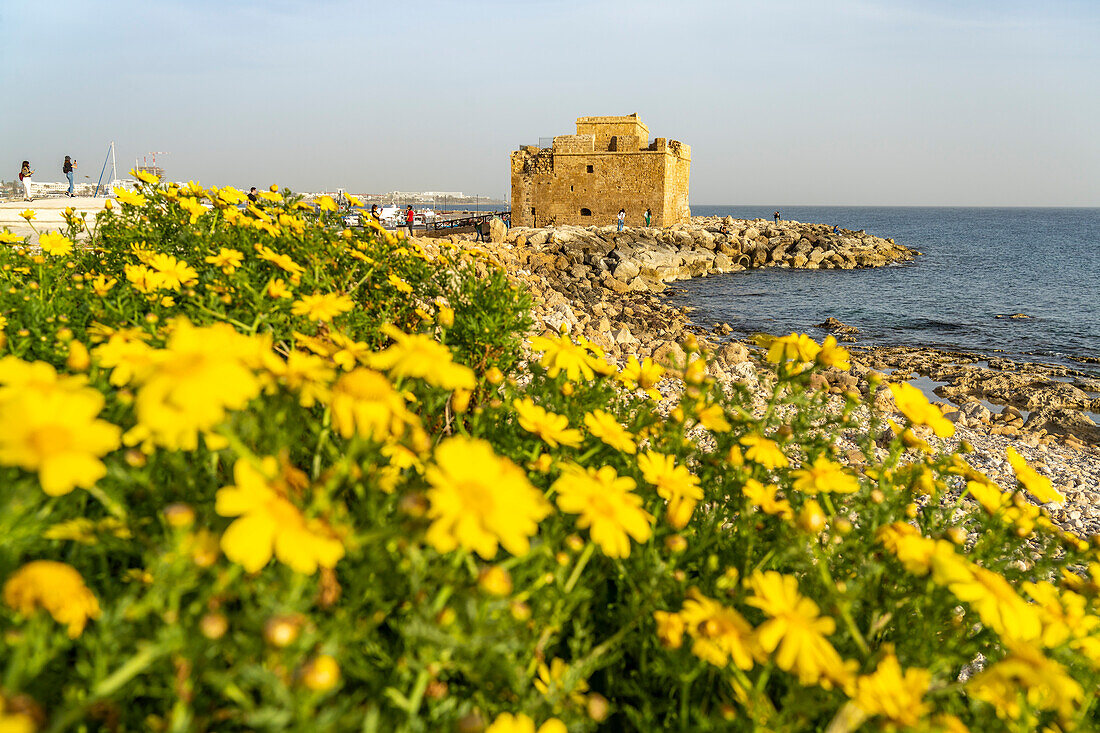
149	163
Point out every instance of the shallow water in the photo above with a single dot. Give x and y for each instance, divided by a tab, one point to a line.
978	263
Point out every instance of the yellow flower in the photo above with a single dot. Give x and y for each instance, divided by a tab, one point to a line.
421	357
561	354
479	500
795	632
306	374
8	237
798	348
993	597
352	199
401	285
227	259
675	484
55	243
145	177
53	430
277	289
325	203
171	273
895	695
551	681
607	506
713	418
1026	674
268	524
230	195
129	198
508	723
606	427
127	354
832	355
281	261
764	497
915	406
365	403
322	673
1037	485
192	206
1064	613
102	285
142	277
553	429
28	214
763	451
823	477
322	307
643	375
55	587
200	374
670	628
14	720
720	634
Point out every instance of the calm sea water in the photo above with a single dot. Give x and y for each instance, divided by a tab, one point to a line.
978	263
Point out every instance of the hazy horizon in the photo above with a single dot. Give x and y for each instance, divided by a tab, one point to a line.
857	103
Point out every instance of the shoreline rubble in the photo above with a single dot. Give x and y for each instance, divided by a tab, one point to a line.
606	286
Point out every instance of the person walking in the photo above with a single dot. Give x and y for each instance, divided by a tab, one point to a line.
776	215
68	168
648	217
622	218
409	216
25	174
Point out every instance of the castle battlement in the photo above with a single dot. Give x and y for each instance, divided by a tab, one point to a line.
609	164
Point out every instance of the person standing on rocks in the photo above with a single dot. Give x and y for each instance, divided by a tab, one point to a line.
648	217
776	215
25	174
409	216
622	218
67	168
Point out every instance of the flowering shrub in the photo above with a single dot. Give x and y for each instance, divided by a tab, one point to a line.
260	472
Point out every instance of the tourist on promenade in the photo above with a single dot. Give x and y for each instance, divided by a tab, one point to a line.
648	217
776	215
374	213
25	174
622	218
67	169
836	229
252	195
409	216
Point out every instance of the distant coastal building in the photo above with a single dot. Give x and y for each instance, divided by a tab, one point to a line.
610	164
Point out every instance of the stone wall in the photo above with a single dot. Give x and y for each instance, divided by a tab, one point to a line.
610	164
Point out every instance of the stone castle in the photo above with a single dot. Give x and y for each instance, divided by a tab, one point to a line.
610	164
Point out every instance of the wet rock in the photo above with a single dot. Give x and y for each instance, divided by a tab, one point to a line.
832	325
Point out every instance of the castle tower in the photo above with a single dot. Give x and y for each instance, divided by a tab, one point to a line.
610	164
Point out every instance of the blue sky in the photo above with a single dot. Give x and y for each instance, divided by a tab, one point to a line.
783	101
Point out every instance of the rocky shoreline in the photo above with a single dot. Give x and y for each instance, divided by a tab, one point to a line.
605	285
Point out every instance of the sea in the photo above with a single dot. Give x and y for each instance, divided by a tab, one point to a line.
977	264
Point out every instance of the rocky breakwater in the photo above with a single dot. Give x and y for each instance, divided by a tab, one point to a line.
643	259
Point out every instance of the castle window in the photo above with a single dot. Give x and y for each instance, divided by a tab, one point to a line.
589	169
570	189
586	212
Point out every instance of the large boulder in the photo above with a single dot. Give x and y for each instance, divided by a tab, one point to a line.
497	230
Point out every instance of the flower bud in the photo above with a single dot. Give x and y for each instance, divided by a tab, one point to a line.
675	543
811	518
321	673
598	707
179	516
567	389
445	316
214	625
495	581
78	360
282	631
494	376
460	400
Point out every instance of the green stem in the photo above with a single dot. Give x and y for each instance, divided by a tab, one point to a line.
586	554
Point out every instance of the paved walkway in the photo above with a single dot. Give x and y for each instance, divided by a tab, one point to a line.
48	213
